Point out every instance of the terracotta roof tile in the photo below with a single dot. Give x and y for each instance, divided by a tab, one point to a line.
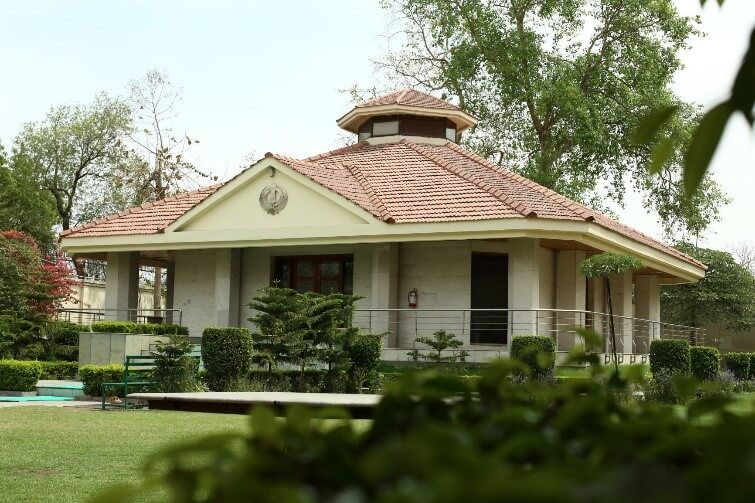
402	182
409	97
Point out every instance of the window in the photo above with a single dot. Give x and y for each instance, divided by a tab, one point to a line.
385	128
315	273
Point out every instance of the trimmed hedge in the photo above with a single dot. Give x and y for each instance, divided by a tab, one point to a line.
94	375
129	327
752	366
17	375
363	351
673	355
59	370
528	349
705	363
227	355
738	364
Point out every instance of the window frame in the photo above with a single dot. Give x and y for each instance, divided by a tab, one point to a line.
316	278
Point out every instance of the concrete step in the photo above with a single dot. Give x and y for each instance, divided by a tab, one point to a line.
61	389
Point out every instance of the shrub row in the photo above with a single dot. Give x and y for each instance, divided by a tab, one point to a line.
129	327
59	370
741	365
18	375
704	363
94	375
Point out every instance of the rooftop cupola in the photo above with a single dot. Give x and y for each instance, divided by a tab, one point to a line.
407	112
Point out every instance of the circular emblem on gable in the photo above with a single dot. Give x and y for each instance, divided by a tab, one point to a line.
273	199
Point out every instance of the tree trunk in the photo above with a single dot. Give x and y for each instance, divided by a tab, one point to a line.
611	325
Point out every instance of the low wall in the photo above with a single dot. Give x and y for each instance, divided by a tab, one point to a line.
486	355
97	348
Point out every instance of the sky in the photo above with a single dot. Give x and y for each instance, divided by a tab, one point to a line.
265	76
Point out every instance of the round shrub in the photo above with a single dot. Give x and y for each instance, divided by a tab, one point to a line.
705	362
227	354
537	352
738	364
18	375
669	354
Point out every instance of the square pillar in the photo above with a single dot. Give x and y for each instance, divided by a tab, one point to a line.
647	306
170	281
122	284
227	281
596	305
621	293
384	294
524	286
571	295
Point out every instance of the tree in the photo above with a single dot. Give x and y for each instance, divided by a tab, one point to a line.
603	265
725	295
162	168
73	149
439	342
23	206
558	86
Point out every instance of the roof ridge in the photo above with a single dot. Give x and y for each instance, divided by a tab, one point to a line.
584	213
143	206
517	206
341	150
362	179
403	93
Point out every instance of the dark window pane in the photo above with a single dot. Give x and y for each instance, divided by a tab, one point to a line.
305	269
329	286
304	286
330	269
348	275
282	273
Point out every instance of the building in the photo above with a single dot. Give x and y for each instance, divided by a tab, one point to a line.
429	234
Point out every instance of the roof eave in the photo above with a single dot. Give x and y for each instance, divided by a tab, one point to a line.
358	115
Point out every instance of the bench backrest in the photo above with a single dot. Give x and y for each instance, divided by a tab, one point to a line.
139	368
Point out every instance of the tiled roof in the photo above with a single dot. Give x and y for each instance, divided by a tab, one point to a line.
149	218
401	182
409	97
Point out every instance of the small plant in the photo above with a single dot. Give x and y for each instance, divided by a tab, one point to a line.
175	370
537	352
440	341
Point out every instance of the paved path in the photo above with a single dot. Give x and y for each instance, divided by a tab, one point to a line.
242	402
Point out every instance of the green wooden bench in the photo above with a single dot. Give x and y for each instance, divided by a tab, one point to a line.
137	373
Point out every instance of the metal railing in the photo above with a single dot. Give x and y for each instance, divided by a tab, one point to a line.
493	328
87	316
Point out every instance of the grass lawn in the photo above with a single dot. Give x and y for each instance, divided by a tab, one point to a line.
64	454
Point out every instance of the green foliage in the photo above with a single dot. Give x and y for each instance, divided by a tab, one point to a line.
435	439
19	338
19	375
363	354
92	376
175	370
59	370
738	364
559	88
23	206
440	342
537	353
309	331
671	355
725	295
129	327
62	340
72	155
604	264
752	366
227	356
705	363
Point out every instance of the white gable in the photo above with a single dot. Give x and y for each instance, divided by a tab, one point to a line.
237	206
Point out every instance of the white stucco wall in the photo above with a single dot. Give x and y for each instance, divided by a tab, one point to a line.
194	289
257	263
